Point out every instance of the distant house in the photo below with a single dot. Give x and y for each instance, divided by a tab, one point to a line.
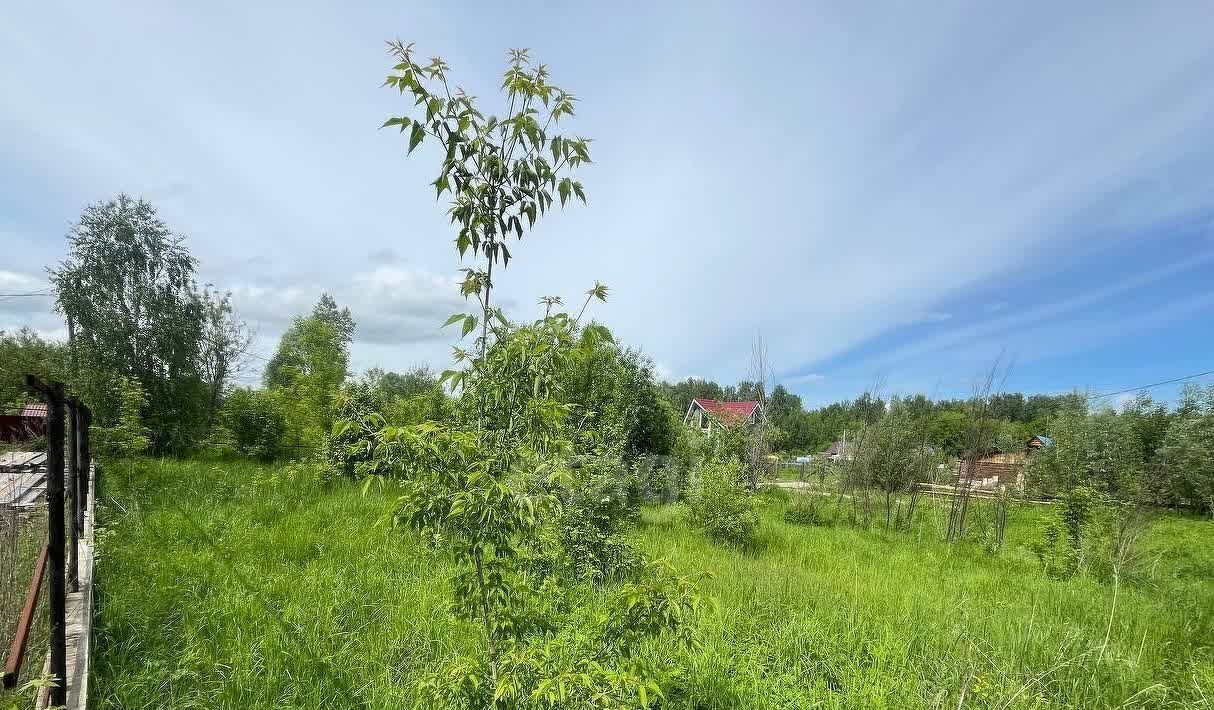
29	424
996	469
839	450
705	414
33	410
1039	441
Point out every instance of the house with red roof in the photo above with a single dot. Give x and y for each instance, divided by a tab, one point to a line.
704	414
36	409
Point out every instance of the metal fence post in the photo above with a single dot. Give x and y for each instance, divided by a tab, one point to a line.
86	459
53	393
71	474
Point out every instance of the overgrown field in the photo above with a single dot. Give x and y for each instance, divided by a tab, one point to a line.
233	585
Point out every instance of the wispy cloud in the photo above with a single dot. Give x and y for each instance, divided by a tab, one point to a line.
985	330
916	153
811	378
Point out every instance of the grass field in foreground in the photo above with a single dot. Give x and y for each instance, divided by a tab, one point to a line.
235	585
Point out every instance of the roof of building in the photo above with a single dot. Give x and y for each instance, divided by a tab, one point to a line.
1045	440
36	409
727	410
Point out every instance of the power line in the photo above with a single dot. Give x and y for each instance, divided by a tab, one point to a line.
28	294
1152	385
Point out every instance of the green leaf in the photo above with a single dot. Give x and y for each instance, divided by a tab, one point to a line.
440	184
402	121
577	190
454	318
564	188
433	106
469	324
416	136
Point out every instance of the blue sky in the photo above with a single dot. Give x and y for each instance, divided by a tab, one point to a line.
901	191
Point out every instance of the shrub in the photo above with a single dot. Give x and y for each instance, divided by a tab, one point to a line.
722	506
808	509
128	436
1062	549
348	449
255	422
596	503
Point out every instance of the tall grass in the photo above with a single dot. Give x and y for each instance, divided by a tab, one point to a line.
22	535
243	586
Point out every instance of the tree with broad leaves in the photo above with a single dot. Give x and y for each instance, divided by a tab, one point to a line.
500	171
484	483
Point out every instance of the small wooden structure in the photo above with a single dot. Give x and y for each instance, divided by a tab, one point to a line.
996	469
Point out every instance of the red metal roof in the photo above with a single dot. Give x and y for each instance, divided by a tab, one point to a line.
33	410
727	411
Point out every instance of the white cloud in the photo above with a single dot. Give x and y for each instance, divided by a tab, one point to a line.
811	378
26	300
905	161
391	305
16	282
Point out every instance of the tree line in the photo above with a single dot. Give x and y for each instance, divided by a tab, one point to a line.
797	429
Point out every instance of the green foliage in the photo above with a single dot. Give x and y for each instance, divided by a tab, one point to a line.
308	369
19	697
254	422
348	449
1063	550
1185	457
127	436
809	509
415	381
133	311
501	172
1097	450
722	506
945	423
596	659
273	570
225	340
892	452
483	484
618	400
597	501
25	352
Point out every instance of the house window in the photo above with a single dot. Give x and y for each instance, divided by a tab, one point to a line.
703	421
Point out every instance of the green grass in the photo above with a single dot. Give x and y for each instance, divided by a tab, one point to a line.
240	586
22	536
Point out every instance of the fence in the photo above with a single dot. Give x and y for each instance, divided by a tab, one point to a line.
68	476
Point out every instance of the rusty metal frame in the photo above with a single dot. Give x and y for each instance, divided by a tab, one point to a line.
16	652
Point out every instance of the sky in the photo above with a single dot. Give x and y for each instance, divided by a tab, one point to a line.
899	194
